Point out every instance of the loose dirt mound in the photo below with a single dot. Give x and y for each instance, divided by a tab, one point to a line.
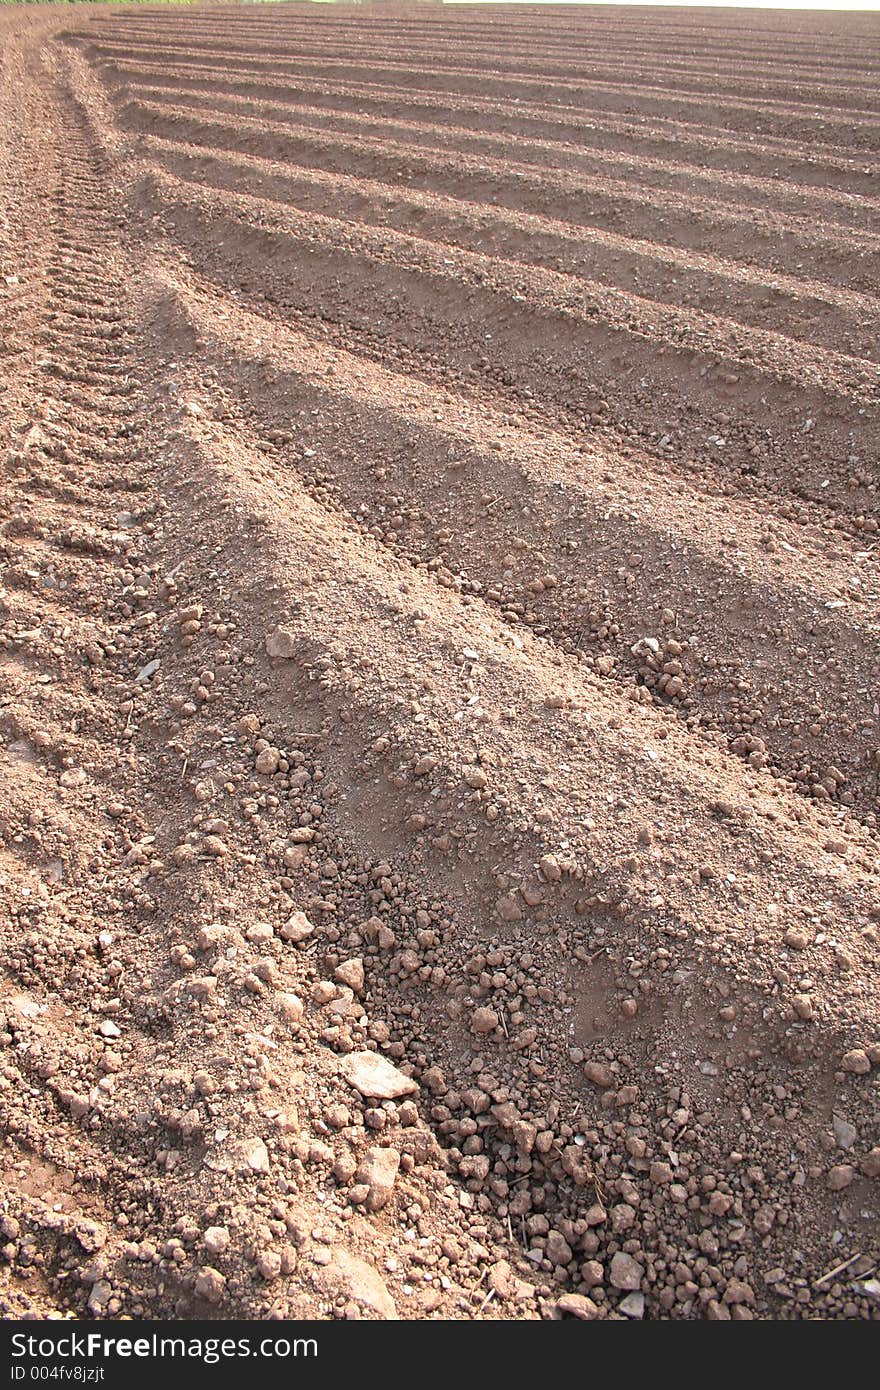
439	716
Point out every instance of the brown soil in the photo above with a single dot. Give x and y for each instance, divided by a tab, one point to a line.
439	607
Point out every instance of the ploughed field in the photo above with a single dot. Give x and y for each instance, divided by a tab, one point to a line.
439	620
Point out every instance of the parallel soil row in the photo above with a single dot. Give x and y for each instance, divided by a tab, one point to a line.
439	612
584	128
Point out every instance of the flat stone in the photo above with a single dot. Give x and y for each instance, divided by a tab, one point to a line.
577	1305
282	643
626	1273
633	1305
351	973
375	1077
501	1279
845	1133
254	1155
99	1297
354	1278
506	1284
738	1292
243	1156
378	1169
558	1250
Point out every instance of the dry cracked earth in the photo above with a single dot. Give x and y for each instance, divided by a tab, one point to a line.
439	725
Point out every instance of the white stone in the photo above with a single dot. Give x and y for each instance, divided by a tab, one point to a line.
281	643
375	1077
